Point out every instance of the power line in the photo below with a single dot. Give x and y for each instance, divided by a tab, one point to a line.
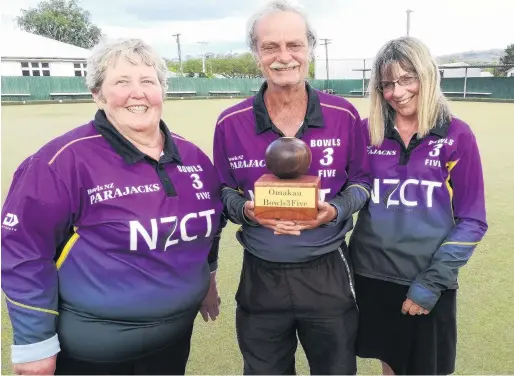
203	54
408	20
326	43
177	36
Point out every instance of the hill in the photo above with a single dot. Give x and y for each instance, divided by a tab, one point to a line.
473	57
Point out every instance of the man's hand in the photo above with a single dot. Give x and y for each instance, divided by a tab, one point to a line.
326	214
39	367
278	226
211	304
412	308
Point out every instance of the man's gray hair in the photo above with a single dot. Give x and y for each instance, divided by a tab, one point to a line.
273	7
107	51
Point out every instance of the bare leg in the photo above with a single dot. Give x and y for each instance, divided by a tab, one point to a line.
386	370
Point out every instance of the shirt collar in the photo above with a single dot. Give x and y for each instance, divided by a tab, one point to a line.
313	117
126	149
440	130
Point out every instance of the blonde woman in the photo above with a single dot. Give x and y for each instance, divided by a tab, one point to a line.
423	221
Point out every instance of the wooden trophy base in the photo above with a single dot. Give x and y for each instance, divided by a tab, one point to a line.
287	199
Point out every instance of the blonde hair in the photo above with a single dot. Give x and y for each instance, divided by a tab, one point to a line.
107	51
414	57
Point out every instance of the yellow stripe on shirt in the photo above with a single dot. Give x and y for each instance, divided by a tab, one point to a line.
359	186
460	243
450	165
66	250
31	307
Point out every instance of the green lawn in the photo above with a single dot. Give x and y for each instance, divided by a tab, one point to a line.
485	309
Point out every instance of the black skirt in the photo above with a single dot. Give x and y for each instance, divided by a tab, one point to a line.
424	344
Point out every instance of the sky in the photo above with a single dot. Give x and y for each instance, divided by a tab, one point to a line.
357	28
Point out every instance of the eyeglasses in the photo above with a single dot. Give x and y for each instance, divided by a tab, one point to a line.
386	86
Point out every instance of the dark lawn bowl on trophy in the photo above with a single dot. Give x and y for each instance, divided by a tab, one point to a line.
287	193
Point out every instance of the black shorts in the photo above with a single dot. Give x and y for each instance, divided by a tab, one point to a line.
424	344
279	303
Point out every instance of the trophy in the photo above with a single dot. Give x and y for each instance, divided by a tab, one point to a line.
287	193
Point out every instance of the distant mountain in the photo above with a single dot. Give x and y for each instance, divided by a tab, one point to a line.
472	57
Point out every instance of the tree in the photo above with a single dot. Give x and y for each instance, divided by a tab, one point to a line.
173	66
235	66
507	58
312	69
229	66
61	20
192	67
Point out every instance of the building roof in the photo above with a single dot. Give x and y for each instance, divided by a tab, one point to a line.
473	66
458	64
20	44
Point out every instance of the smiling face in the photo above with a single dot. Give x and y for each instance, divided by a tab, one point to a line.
282	48
131	95
400	88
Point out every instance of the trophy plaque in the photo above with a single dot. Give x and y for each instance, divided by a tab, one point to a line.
287	193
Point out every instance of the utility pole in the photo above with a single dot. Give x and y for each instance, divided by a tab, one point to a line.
408	20
177	36
203	54
326	43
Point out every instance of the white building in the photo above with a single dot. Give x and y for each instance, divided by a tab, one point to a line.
459	72
26	54
510	72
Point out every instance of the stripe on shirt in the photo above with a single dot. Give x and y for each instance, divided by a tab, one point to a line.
232	189
32	308
173	135
66	250
234	113
450	165
359	186
460	243
69	144
338	108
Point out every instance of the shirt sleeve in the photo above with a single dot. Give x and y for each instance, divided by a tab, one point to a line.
232	197
213	253
36	219
466	187
356	192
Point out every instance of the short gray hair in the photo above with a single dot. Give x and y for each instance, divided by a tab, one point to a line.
106	51
273	7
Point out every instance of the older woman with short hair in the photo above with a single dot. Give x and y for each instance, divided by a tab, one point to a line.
115	245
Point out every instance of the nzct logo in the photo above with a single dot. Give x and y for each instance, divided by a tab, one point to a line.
187	228
393	192
238	162
108	191
10	221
